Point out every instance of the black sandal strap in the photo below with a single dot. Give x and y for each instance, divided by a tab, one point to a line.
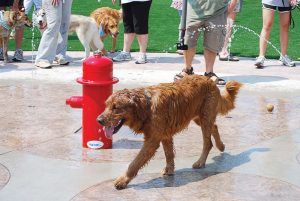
188	71
219	81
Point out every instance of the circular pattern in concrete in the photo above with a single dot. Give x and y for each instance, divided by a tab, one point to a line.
47	131
4	176
194	185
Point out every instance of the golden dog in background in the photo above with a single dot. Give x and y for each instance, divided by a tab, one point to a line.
108	20
161	111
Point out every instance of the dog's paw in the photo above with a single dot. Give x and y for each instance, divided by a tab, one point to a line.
198	165
221	147
167	171
121	182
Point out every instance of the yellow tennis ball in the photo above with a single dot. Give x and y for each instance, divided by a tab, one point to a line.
270	107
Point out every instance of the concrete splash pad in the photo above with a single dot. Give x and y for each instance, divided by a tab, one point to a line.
45	159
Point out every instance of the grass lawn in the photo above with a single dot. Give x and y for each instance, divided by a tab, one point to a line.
163	33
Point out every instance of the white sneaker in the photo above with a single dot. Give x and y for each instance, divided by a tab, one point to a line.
18	56
142	59
259	63
60	61
123	56
43	64
286	61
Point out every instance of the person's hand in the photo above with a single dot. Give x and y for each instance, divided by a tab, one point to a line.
113	1
55	2
15	6
232	6
293	2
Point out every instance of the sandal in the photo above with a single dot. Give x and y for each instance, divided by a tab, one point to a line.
229	58
215	78
183	73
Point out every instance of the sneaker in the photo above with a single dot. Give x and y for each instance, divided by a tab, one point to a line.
43	64
259	63
1	54
60	61
18	56
123	56
286	61
142	59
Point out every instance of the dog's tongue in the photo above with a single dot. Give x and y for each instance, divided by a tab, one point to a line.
108	131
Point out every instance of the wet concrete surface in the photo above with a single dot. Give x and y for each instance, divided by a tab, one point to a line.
41	152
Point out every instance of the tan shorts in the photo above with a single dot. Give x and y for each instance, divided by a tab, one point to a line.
214	31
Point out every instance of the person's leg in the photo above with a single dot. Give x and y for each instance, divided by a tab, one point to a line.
213	41
18	56
209	57
143	42
64	28
28	5
128	40
268	20
140	16
38	4
284	31
189	55
48	44
284	36
230	21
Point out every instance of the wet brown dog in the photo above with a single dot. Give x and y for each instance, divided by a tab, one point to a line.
108	20
161	111
10	20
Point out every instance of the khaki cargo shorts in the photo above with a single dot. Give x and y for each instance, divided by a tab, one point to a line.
214	31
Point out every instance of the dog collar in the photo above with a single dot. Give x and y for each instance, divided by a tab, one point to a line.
3	23
101	31
147	97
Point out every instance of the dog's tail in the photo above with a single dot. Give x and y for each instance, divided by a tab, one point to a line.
226	102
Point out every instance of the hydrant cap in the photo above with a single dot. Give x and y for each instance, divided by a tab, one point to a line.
97	68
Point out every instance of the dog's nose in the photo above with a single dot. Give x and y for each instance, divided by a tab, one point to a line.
100	120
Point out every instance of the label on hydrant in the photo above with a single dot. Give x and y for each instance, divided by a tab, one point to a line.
94	144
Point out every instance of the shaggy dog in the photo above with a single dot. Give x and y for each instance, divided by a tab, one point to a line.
161	111
108	20
10	20
87	32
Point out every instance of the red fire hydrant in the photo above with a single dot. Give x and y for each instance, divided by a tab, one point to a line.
97	84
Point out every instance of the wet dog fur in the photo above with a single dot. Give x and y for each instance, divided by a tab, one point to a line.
161	111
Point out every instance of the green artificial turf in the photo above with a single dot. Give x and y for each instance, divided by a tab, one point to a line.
163	33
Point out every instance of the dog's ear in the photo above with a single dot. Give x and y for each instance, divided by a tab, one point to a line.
120	12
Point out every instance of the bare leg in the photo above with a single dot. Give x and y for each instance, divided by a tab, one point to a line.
143	42
209	57
145	154
170	155
268	19
128	39
284	31
189	56
19	37
230	20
